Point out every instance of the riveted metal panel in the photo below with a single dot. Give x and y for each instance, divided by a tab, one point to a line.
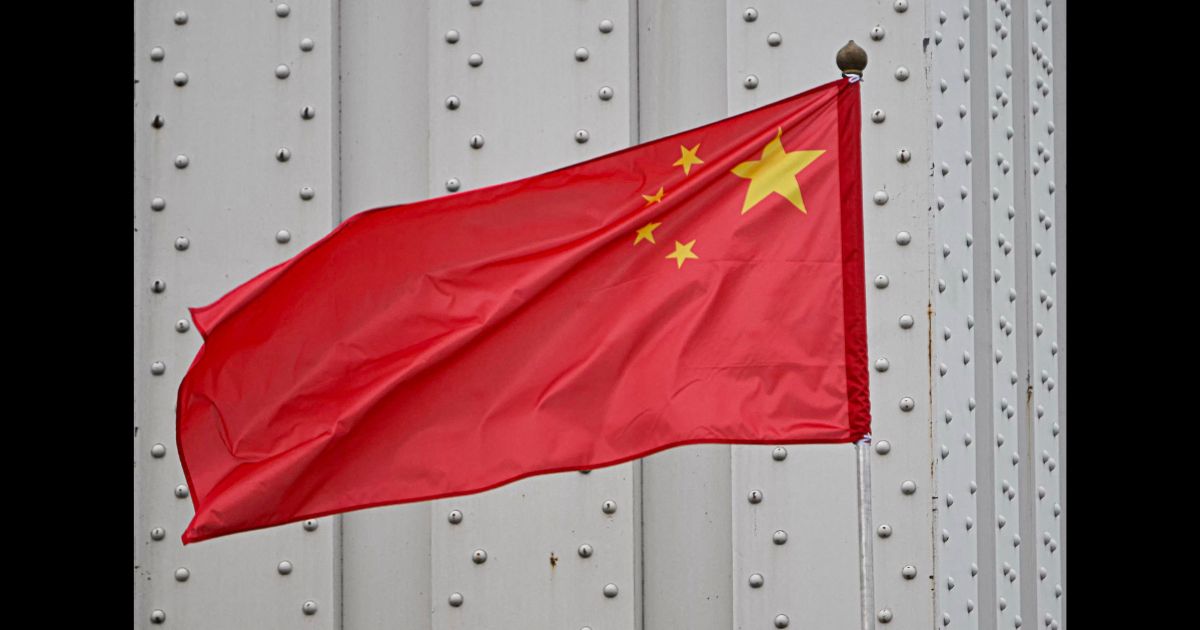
999	394
224	164
954	353
535	87
385	104
1040	527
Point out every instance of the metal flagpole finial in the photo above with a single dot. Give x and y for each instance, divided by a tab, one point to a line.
852	59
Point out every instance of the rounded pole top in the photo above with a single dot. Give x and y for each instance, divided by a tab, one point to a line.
852	59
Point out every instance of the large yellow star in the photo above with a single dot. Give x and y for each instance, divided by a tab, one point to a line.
775	172
682	252
687	158
646	233
655	198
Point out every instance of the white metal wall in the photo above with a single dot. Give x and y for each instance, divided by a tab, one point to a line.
259	126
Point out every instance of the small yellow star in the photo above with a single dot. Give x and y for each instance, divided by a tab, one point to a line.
688	158
776	173
646	233
682	252
655	198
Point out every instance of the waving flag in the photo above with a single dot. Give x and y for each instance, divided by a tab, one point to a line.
706	287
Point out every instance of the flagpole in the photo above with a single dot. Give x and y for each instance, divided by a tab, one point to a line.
852	60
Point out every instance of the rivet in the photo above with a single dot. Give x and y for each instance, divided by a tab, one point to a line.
903	238
908	572
999	356
885	615
455	599
969	523
283	154
750	14
1050	128
965	275
999	443
181	491
453	184
1008	133
283	236
182	574
182	243
306	44
606	93
779	537
901	74
884	531
937	38
1000	523
756	580
475	60
970	401
1003	32
158	286
908	487
1057	509
181	18
157	53
181	79
755	496
158	368
284	568
937	121
941	203
609	506
455	517
1016	540
158	533
942	17
181	161
881	281
1051	465
883	447
774	39
942	369
452	36
585	551
750	82
309	607
945	451
779	454
606	26
906	321
479	556
941	284
1058	590
307	112
949	583
1054	429
610	590
878	116
900	6
158	121
1040	411
582	136
306	193
1008	248
881	197
903	156
782	621
452	102
158	204
949	417
158	451
158	616
310	525
476	141
877	33
962	111
970	603
882	365
1041	492
942	85
581	54
945	619
476	3
282	71
282	10
946	333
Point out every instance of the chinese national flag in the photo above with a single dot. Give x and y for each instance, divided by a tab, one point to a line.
704	287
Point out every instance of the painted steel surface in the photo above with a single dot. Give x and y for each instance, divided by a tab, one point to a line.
682	544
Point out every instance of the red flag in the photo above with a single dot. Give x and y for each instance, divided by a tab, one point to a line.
704	287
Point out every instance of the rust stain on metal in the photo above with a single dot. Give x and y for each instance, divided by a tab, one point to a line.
553	560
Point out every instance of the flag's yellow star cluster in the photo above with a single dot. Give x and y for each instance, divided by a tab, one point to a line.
773	173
